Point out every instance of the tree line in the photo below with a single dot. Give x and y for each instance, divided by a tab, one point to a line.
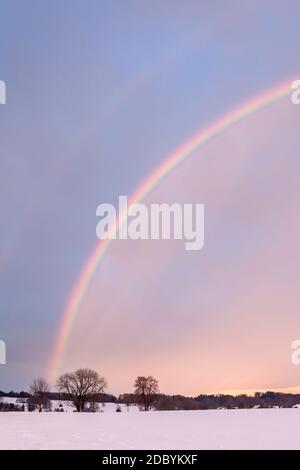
85	389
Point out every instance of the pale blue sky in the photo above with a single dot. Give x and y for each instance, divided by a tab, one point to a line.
98	92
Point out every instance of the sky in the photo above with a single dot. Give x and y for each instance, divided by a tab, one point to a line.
98	94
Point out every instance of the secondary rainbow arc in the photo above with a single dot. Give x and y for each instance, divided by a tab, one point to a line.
169	164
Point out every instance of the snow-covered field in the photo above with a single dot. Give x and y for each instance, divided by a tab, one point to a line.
69	408
214	429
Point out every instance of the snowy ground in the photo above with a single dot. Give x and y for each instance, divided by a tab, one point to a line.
215	429
69	408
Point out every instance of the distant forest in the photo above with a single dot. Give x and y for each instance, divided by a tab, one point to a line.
178	402
211	402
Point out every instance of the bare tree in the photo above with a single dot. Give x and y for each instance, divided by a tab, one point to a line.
146	389
81	386
39	389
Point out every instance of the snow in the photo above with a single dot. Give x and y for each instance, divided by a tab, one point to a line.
69	408
211	429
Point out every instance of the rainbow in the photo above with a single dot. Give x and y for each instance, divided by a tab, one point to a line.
170	163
